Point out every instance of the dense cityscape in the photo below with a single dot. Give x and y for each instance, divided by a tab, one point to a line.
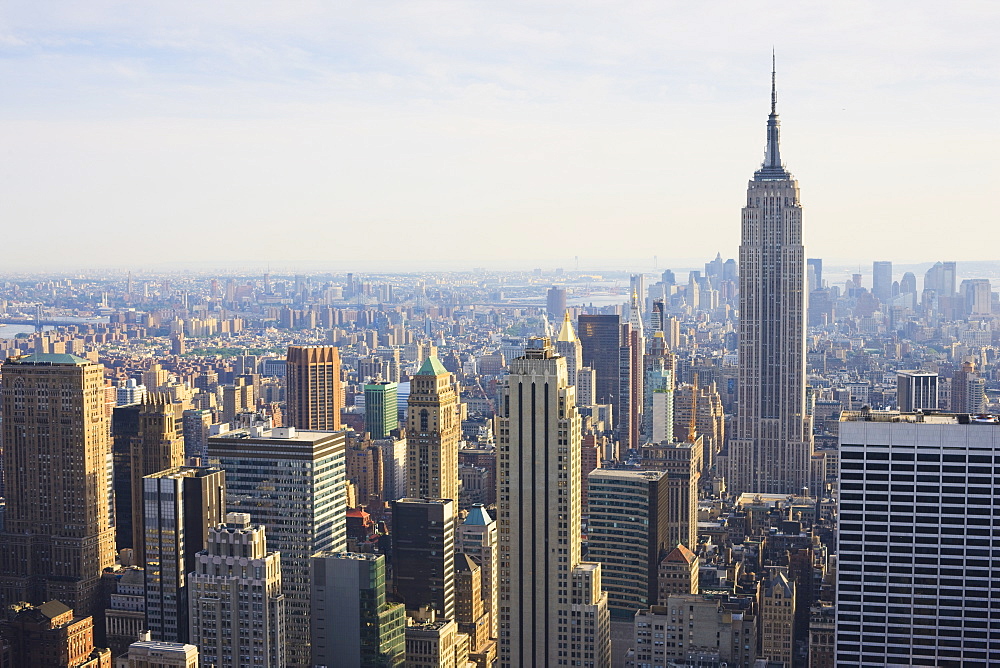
760	463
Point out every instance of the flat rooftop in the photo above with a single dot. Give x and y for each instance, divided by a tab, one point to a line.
919	417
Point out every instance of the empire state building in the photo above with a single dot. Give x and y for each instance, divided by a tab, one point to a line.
772	448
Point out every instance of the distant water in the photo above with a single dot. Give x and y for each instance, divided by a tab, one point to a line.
10	331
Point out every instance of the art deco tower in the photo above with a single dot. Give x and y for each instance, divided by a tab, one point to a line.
58	537
773	444
552	609
434	429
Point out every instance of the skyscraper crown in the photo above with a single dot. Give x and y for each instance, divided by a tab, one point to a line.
772	169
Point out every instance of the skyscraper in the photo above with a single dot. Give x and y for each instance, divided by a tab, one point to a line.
552	609
181	506
773	444
882	280
158	447
423	554
237	610
315	395
381	412
600	340
968	393
814	274
631	396
477	537
916	390
658	388
627	534
433	432
555	302
58	537
294	483
915	581
352	623
683	463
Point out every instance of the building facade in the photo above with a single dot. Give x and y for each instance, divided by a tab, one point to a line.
916	390
158	447
423	554
352	622
58	537
181	505
381	411
294	483
477	537
237	610
627	535
434	429
544	584
315	394
600	340
50	634
915	581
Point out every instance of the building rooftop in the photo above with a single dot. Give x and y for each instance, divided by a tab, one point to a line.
279	434
465	564
566	333
478	516
626	474
918	417
680	554
53	609
354	556
431	367
49	358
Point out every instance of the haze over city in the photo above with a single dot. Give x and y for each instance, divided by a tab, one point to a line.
440	134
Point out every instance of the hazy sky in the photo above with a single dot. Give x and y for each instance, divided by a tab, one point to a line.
432	134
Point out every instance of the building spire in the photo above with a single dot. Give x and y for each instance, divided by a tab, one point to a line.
774	87
772	168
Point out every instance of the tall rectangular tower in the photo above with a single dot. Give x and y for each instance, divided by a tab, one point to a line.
916	390
381	411
423	554
551	604
600	340
433	432
294	483
882	280
628	534
916	584
158	447
315	394
773	444
58	536
181	506
477	537
352	622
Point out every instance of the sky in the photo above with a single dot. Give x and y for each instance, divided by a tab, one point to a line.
432	135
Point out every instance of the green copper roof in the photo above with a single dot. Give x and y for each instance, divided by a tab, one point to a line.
50	358
478	516
431	367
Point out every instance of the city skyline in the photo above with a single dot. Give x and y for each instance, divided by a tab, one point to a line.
329	122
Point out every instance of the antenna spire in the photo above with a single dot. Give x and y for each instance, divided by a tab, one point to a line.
774	87
772	168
